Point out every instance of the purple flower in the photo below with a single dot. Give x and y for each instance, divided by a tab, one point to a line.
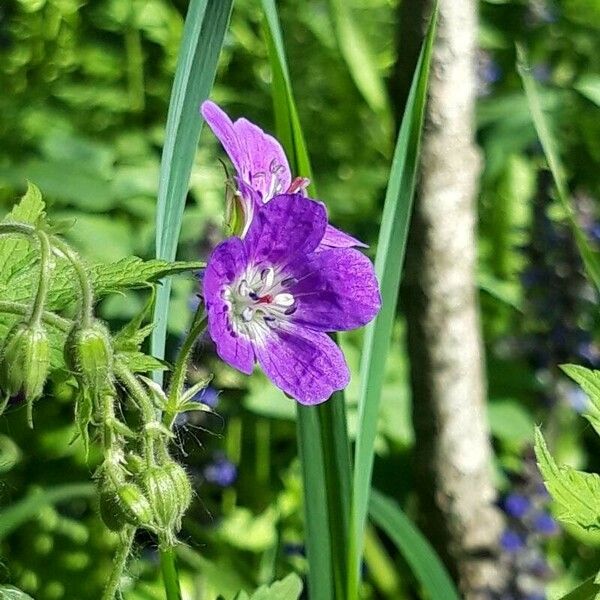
272	297
208	395
263	171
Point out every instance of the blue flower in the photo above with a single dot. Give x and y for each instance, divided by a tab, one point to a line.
516	505
511	541
545	524
221	472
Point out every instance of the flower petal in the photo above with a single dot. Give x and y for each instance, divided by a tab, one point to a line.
226	263
335	238
288	226
336	290
307	365
258	157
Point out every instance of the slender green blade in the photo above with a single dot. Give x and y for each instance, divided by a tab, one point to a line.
591	259
203	34
322	436
359	58
414	547
29	507
388	265
588	590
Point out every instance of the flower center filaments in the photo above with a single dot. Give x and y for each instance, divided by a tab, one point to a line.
259	301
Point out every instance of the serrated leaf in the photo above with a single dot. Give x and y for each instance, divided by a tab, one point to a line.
138	362
288	588
132	336
576	493
589	381
8	592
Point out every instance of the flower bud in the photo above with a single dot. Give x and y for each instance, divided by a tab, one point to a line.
169	492
124	504
25	361
89	355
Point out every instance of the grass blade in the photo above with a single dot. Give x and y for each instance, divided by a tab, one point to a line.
203	34
591	259
388	265
323	443
359	58
413	546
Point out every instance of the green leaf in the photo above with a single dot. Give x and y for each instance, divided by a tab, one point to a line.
138	362
28	508
288	588
8	592
589	86
414	547
591	258
203	33
589	381
10	454
132	336
588	590
577	494
323	443
388	265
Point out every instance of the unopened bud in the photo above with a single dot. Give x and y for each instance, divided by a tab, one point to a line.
25	361
169	492
124	504
89	355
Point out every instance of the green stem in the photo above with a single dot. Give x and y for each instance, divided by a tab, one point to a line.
18	308
87	293
181	364
44	282
139	395
17	228
125	543
170	575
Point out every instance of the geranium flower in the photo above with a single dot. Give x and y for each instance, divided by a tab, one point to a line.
271	298
262	171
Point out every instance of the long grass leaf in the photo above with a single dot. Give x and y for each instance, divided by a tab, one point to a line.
322	436
414	547
591	259
203	34
359	58
388	265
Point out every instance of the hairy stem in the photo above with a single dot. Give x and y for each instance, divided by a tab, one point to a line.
141	398
120	561
18	308
181	364
87	293
44	282
170	575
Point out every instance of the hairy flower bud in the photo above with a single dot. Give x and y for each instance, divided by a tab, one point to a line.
124	504
89	354
25	361
169	492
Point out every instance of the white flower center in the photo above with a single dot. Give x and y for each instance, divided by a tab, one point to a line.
259	301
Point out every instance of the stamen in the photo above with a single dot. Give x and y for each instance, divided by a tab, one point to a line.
268	276
284	299
247	314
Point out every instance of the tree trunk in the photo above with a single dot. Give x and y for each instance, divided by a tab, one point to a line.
453	449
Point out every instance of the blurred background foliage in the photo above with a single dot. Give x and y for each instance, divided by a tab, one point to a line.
85	89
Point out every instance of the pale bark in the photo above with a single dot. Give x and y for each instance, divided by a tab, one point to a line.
453	448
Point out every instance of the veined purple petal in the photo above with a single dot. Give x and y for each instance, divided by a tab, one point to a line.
336	290
335	238
290	225
307	365
258	157
226	263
